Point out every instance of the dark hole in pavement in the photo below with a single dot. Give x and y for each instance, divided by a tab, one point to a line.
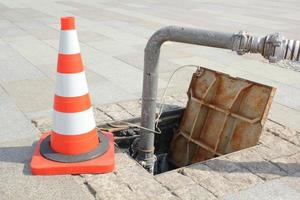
127	139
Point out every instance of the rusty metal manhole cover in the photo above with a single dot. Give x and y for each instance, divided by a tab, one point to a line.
223	114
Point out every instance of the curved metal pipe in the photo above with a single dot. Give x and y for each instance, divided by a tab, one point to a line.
241	43
152	51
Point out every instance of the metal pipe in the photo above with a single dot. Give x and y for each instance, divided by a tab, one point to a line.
273	47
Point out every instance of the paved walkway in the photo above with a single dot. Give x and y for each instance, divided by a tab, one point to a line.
112	36
263	172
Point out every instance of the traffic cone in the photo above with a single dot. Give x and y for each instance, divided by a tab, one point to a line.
73	146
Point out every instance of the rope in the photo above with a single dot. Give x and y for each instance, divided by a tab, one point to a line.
163	97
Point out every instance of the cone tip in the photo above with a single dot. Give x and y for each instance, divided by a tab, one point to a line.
67	23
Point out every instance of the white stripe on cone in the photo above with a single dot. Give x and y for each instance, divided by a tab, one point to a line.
71	85
69	42
74	123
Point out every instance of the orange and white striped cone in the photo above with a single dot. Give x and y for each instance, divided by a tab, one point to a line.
74	146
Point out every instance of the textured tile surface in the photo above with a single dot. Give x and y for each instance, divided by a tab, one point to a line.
112	36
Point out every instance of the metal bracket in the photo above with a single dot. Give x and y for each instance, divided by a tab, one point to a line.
240	42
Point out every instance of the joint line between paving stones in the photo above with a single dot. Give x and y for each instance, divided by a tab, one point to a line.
26	60
136	67
124	109
244	168
89	187
184	174
103	52
34	123
127	185
278	135
108	115
274	163
24	56
20	27
1	86
167	188
264	179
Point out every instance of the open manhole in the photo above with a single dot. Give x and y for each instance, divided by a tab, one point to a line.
223	114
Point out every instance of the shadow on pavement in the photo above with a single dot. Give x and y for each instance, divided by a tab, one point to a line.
18	154
259	167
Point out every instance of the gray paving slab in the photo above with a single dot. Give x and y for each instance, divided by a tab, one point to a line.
113	36
18	183
38	30
39	114
281	131
7	52
18	186
212	181
194	191
31	95
290	164
48	70
108	186
125	76
9	32
14	125
43	124
282	147
138	180
4	23
133	107
124	161
115	111
276	189
254	162
295	139
104	91
136	59
239	176
18	69
285	115
34	50
89	36
174	180
109	46
2	92
167	196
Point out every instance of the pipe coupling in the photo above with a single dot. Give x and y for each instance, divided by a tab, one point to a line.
277	48
240	42
273	47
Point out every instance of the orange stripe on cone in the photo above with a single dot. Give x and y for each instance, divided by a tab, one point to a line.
67	23
72	104
69	63
75	144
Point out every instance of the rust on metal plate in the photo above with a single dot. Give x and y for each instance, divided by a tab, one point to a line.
223	114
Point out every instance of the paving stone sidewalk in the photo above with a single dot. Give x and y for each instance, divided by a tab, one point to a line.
113	35
270	170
